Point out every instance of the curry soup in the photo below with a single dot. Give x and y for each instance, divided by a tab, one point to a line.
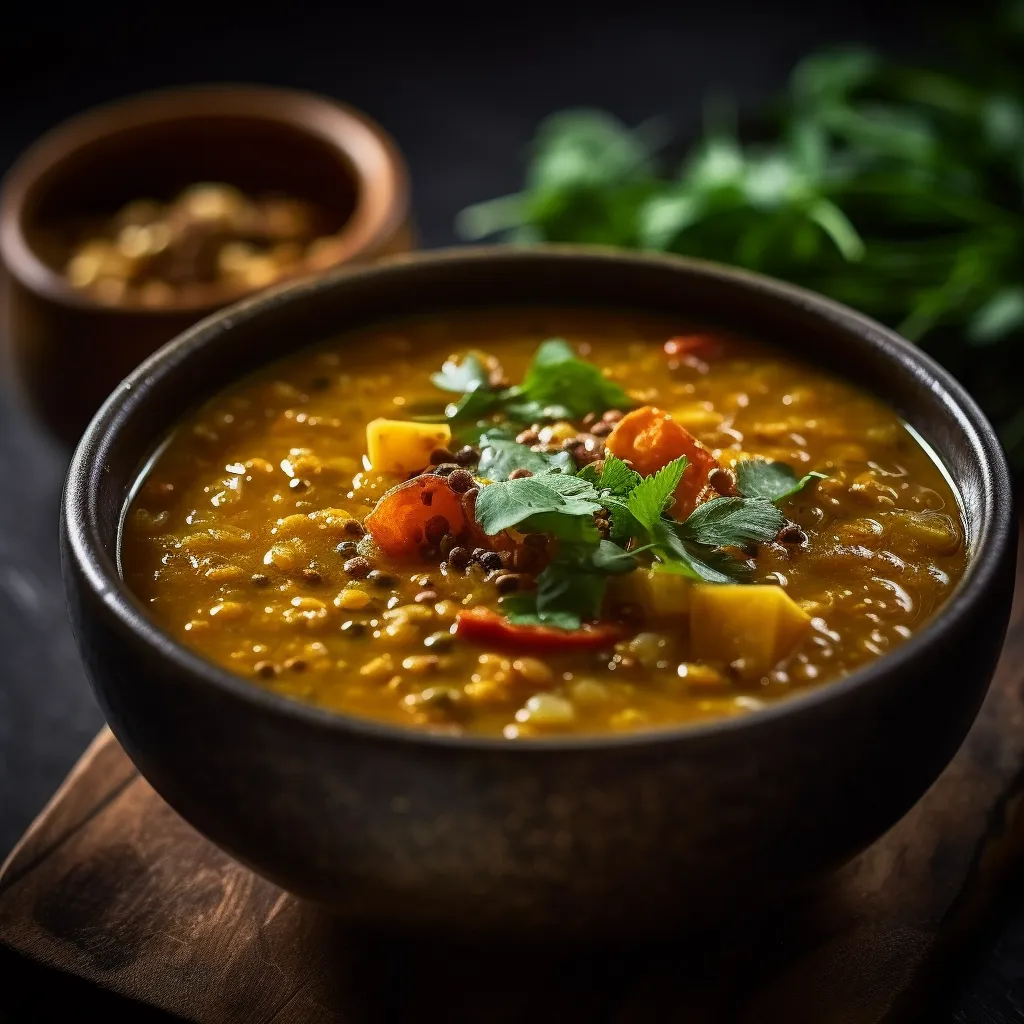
458	523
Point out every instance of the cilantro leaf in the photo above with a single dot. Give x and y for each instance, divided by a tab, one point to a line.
462	377
474	406
550	353
580	529
570	591
610	558
617	476
773	481
521	610
510	502
647	500
624	524
706	565
556	377
500	456
696	562
732	522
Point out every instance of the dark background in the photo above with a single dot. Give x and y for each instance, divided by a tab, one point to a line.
461	90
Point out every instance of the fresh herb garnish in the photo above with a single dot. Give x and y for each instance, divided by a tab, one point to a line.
515	503
647	500
732	523
696	561
557	385
614	475
773	481
571	589
710	545
500	456
558	378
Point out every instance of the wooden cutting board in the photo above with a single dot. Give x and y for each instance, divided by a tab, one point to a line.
111	892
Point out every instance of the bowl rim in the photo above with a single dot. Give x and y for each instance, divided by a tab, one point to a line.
84	545
368	152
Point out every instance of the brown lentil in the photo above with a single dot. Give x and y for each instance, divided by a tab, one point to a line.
459	557
507	583
358	568
792	534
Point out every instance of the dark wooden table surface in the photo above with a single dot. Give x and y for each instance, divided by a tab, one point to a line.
461	94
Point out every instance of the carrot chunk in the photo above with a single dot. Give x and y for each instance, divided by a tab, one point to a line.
649	439
398	522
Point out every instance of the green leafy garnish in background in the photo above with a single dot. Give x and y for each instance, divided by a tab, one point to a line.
895	189
557	385
556	377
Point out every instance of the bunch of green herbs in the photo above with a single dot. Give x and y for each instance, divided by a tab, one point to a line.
896	189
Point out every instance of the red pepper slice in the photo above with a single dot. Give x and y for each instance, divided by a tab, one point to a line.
702	346
489	629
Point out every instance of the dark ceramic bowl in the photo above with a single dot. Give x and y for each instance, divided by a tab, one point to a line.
68	349
589	836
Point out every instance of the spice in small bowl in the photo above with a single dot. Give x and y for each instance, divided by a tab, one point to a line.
211	236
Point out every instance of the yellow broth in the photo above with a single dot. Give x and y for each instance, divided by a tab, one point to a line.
223	543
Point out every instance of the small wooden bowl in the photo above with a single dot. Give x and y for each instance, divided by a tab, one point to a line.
68	349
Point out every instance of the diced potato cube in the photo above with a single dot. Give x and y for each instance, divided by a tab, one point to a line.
753	626
660	594
401	446
698	417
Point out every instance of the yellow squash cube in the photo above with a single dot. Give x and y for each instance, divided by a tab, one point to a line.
662	595
755	626
401	446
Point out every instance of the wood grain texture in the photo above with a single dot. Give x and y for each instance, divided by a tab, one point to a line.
112	887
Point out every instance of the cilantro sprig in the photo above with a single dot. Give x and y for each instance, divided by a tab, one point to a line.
714	544
557	385
710	545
